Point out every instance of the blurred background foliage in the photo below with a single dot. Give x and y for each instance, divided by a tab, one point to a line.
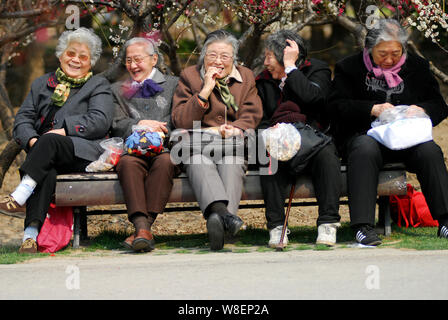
29	30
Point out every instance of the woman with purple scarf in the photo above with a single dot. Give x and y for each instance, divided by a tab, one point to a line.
144	100
381	77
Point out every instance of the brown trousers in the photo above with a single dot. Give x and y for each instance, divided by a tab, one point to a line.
146	183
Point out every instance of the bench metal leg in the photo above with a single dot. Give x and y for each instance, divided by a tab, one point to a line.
84	233
76	227
79	225
384	214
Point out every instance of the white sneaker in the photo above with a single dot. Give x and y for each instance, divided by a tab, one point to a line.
327	233
275	235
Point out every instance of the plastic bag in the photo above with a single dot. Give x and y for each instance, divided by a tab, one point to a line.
144	142
282	141
110	157
398	113
401	128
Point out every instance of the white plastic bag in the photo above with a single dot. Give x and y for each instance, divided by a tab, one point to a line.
282	141
109	158
401	128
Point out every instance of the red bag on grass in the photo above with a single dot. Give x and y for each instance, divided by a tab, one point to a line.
57	229
412	209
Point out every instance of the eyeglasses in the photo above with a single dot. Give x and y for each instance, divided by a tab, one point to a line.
136	60
214	56
72	54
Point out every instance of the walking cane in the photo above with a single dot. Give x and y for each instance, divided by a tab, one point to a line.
281	245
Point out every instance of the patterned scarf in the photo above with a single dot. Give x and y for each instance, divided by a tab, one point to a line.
226	96
390	75
62	90
146	89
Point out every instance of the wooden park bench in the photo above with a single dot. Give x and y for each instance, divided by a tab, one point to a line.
103	189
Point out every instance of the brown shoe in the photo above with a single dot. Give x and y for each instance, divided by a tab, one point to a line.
143	241
127	243
10	207
28	246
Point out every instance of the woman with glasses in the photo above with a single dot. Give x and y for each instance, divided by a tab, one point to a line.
144	99
220	94
59	125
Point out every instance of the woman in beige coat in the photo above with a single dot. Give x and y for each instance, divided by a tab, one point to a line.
218	93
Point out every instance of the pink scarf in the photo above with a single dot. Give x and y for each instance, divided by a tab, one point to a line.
390	75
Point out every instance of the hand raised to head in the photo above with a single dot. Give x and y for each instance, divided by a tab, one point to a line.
290	53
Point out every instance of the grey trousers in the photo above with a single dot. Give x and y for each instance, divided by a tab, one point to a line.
213	180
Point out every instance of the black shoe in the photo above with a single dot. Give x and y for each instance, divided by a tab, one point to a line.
442	232
367	236
215	230
232	223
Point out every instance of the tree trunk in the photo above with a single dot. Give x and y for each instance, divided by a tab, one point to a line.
9	153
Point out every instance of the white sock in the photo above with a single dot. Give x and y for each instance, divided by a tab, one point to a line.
30	232
24	190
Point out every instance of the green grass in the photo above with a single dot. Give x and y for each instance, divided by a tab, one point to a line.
250	240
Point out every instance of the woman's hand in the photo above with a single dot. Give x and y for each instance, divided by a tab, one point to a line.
154	125
378	108
415	110
31	142
209	81
227	131
290	54
57	131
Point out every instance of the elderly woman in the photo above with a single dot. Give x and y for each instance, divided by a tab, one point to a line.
380	77
222	94
144	100
294	88
59	125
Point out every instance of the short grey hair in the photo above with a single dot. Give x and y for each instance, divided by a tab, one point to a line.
386	30
81	35
219	36
276	43
150	47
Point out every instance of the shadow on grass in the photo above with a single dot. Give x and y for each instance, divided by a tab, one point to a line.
249	240
251	237
10	254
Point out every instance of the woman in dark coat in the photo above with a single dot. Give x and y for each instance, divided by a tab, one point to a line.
59	125
144	100
382	76
292	89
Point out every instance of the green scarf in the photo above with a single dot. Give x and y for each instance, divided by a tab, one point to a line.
226	96
62	90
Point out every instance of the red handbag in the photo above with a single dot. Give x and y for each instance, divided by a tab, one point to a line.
412	209
57	230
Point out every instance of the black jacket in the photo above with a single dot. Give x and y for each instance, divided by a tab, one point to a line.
308	87
353	96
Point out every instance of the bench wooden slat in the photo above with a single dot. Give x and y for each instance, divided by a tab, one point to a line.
104	188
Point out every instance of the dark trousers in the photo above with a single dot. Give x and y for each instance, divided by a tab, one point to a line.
325	171
365	159
52	154
146	183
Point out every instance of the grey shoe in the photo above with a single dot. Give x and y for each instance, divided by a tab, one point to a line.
327	233
275	234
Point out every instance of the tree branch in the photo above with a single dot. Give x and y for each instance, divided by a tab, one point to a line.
437	72
13	37
23	14
355	28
